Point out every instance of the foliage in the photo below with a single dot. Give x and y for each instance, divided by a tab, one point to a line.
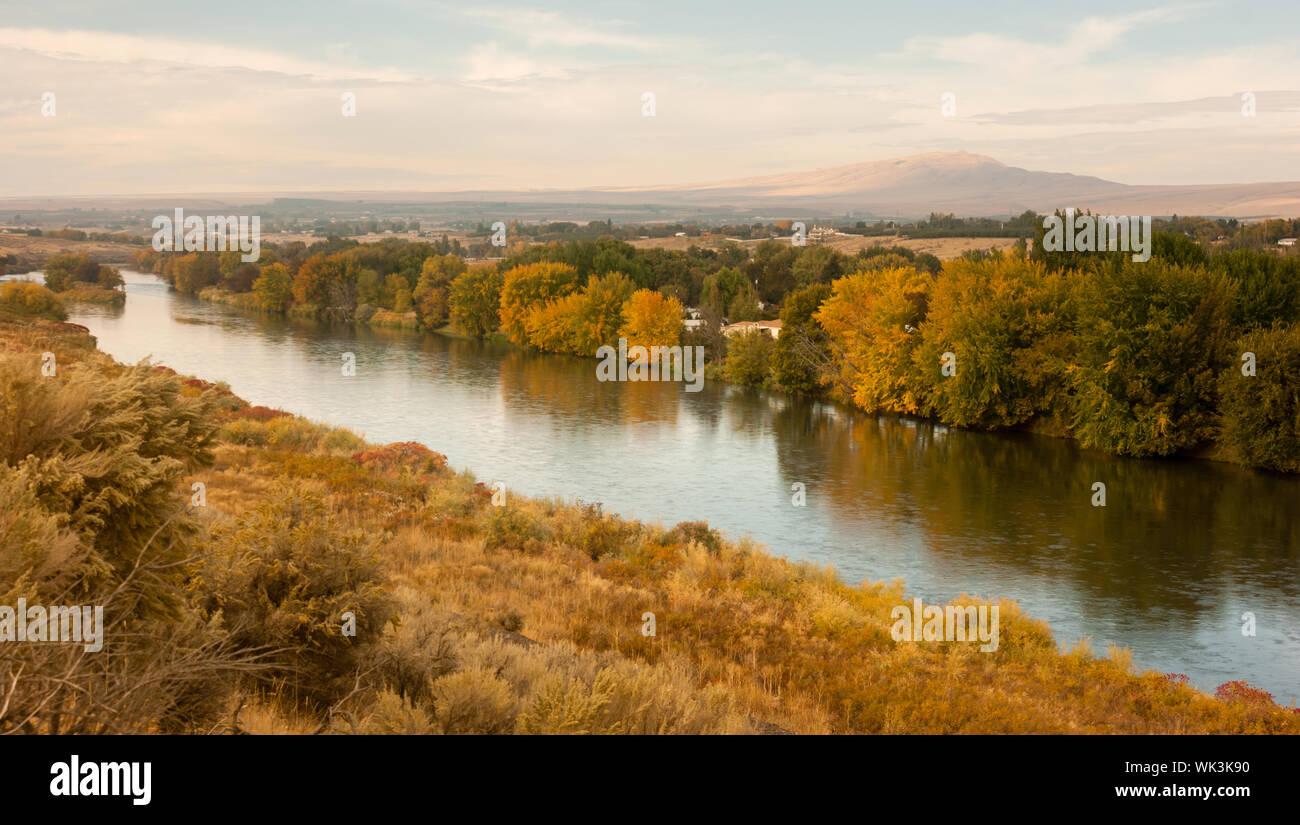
283	577
1261	412
1005	322
749	358
1152	343
802	353
475	299
273	288
872	319
530	285
30	300
652	320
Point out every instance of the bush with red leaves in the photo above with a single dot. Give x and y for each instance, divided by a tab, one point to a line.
410	456
1243	691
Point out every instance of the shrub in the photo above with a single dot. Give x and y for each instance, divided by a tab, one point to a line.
474	700
512	528
31	300
408	457
282	577
698	532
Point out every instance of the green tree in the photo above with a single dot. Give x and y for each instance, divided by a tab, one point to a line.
1003	321
802	353
1261	412
749	358
1153	339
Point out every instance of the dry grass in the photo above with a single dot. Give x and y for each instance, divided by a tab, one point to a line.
783	642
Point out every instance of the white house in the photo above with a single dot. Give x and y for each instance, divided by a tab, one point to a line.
772	328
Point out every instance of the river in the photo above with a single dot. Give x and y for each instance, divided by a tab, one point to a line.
1182	549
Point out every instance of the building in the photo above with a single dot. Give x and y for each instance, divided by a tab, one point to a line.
819	234
772	328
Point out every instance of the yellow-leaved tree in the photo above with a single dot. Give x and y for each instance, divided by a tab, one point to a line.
872	319
652	319
529	286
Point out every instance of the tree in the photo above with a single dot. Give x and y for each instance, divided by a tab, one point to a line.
1261	412
749	358
744	307
60	271
191	274
871	320
312	283
601	313
720	289
273	288
554	326
396	287
1003	322
528	286
431	290
652	320
802	353
816	265
475	298
1153	340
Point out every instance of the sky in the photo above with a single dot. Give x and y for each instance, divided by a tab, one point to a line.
248	97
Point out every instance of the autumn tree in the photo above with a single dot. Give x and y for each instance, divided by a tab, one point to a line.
1004	321
871	320
601	313
475	298
528	286
273	288
652	320
432	289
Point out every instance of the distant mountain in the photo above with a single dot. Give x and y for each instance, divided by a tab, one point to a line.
969	184
959	182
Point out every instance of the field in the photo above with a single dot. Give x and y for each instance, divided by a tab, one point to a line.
942	248
29	251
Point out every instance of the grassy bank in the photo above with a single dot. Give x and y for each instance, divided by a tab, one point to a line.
470	617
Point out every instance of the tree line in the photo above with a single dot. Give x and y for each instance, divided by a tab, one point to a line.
1189	351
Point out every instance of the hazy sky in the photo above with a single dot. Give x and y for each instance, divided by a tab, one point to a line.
185	97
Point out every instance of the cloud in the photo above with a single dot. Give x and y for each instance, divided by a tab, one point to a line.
492	67
1084	39
548	28
1132	113
111	47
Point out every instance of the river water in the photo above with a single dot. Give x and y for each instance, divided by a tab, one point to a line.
1168	567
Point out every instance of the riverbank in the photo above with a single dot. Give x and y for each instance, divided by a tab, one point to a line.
532	615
